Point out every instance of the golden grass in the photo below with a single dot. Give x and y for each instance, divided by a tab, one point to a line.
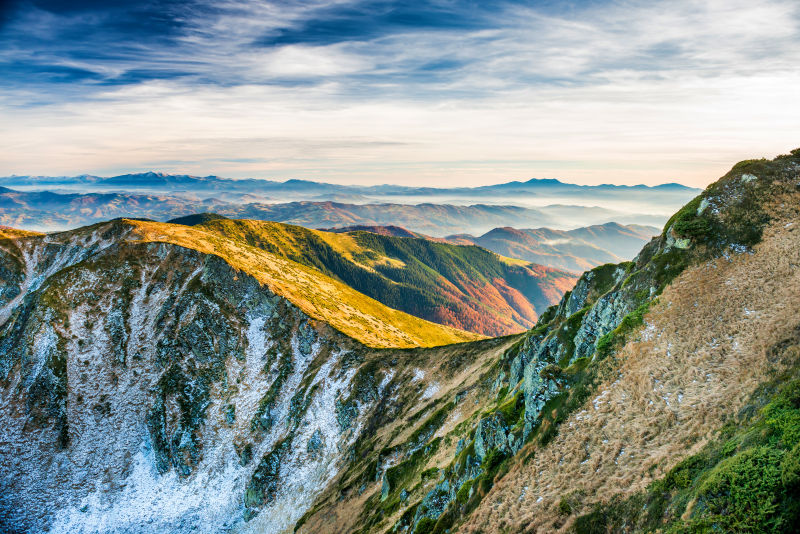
292	239
474	304
512	261
13	233
700	355
318	295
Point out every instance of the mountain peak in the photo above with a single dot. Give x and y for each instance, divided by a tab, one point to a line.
504	231
544	181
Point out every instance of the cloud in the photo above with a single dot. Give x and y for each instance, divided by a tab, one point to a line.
295	61
383	91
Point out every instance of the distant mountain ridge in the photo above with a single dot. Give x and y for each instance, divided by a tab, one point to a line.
574	250
435	211
48	211
152	178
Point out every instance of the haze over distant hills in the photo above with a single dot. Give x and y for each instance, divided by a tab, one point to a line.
575	250
57	203
172	182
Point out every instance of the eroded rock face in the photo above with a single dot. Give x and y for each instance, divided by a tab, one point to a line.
579	294
537	391
135	380
490	433
602	318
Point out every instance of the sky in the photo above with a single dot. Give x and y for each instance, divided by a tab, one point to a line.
441	93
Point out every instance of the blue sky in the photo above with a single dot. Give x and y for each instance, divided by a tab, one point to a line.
436	93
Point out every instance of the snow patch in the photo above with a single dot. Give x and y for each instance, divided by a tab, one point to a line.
302	475
597	401
153	503
431	390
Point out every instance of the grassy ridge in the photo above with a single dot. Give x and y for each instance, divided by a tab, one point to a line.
315	293
12	233
465	287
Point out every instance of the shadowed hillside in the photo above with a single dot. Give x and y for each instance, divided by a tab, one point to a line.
574	250
468	287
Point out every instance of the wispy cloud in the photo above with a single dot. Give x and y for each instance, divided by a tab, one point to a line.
385	91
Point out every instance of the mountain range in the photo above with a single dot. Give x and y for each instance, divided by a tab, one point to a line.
59	203
465	287
223	375
177	182
48	211
574	250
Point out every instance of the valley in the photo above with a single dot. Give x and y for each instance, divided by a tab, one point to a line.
232	375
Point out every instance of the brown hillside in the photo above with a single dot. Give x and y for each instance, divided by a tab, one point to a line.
706	345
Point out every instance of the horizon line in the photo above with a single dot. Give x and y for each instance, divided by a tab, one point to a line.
353	185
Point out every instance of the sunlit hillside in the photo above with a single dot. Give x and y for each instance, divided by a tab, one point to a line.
317	294
466	287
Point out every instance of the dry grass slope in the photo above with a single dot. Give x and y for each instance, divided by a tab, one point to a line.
12	233
701	353
318	295
428	379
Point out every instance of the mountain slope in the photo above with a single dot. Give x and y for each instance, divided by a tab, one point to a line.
714	348
394	231
10	233
575	250
464	287
147	385
318	295
636	369
623	240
